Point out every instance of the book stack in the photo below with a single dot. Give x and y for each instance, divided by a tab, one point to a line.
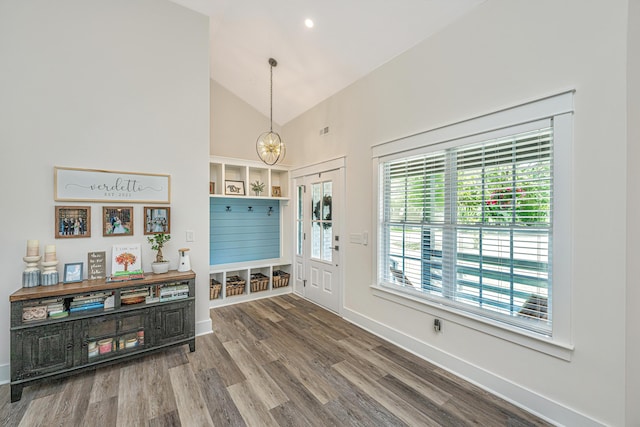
88	302
168	293
55	308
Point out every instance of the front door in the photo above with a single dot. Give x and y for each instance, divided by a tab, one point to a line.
318	268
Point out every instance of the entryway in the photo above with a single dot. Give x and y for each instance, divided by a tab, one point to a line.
319	199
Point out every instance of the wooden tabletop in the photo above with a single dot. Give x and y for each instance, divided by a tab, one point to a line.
95	285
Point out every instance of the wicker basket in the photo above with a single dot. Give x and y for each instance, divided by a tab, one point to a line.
214	289
235	285
280	279
259	282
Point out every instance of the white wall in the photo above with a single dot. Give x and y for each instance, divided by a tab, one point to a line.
116	85
499	55
633	207
235	125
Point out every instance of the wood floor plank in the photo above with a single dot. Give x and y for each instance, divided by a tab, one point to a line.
261	311
191	406
132	404
40	411
101	413
221	408
170	419
225	365
387	366
393	403
253	410
267	390
155	376
307	405
105	383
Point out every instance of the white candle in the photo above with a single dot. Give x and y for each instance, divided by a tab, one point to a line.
50	253
33	247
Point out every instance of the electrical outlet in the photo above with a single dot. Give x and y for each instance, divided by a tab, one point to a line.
189	236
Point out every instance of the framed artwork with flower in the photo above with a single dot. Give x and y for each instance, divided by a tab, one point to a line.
117	220
157	219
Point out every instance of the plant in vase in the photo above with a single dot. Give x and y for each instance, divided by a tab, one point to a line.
257	187
161	265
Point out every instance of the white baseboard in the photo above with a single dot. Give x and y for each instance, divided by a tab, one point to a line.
5	374
204	327
528	400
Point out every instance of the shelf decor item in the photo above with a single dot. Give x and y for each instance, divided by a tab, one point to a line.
31	274
73	221
269	145
276	191
234	188
50	273
157	241
126	262
73	272
257	187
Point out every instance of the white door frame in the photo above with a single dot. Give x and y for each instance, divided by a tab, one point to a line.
339	163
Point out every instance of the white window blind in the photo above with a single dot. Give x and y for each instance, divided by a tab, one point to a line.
470	227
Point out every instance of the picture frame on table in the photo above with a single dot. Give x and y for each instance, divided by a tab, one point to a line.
157	219
72	222
117	221
73	272
276	191
234	188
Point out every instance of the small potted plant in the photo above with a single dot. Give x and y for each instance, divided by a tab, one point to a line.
258	187
161	265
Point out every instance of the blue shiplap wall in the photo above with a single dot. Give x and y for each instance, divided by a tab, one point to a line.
240	235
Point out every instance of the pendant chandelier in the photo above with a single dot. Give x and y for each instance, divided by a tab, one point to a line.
269	145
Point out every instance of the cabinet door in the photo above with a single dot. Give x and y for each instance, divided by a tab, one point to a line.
174	322
42	350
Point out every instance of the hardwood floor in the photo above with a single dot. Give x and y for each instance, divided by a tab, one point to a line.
274	362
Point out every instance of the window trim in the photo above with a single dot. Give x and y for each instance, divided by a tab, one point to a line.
557	107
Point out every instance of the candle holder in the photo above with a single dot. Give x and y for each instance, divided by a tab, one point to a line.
49	274
31	274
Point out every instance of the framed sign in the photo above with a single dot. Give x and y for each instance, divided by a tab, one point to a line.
235	188
73	185
97	265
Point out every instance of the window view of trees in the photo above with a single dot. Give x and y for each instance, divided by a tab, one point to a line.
472	224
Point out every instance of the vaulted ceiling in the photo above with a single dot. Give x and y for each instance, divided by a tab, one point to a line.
349	39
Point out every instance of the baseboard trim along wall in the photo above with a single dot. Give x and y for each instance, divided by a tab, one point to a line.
204	327
511	392
5	374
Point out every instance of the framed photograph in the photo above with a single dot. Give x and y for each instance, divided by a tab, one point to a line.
157	220
73	272
76	184
234	188
73	221
276	191
117	220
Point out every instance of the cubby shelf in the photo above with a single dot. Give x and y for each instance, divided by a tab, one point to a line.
222	169
239	274
244	272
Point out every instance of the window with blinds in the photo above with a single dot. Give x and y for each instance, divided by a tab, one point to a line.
471	227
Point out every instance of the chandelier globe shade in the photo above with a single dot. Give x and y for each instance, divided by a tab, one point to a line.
269	145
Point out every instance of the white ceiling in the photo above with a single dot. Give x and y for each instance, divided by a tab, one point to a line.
350	39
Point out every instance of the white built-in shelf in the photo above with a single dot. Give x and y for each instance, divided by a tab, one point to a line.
223	169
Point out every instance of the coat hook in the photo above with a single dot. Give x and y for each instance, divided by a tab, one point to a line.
250	209
270	210
228	208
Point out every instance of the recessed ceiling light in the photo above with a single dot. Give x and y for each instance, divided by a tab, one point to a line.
308	22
